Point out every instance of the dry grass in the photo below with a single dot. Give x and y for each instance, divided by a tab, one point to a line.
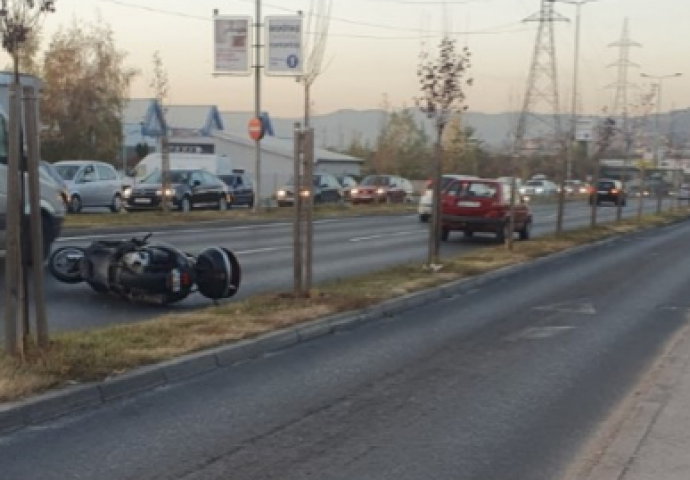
96	220
98	354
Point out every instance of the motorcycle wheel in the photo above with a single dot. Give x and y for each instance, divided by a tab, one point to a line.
64	269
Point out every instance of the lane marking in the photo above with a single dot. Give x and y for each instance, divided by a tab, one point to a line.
583	307
261	250
386	235
539	333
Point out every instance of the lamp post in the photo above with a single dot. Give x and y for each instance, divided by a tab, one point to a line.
660	81
570	151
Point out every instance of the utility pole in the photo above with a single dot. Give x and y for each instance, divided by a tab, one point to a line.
570	146
620	101
542	87
257	101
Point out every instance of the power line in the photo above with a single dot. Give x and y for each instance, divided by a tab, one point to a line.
497	30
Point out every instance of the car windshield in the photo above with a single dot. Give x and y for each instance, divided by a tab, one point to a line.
375	181
176	176
347	182
607	185
316	181
535	183
68	172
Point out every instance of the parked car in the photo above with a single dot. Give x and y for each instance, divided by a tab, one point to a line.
91	184
684	191
347	183
426	201
49	172
189	189
609	191
575	187
482	205
325	189
539	187
240	187
382	188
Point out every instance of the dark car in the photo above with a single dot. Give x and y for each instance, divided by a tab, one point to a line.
348	182
241	188
188	189
482	205
609	191
325	189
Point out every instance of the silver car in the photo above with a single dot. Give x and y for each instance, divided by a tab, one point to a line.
91	184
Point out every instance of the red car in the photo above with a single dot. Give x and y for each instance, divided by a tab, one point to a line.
381	189
482	205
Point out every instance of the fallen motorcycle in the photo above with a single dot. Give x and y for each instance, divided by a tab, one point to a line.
138	270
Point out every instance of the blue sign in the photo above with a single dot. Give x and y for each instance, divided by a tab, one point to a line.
292	61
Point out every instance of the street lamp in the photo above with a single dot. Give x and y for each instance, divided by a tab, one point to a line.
660	80
570	152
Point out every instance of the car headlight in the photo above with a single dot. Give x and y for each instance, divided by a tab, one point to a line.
539	190
304	193
354	191
281	193
381	191
127	192
168	193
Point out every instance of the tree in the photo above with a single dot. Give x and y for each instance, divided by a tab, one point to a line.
402	146
160	85
316	36
85	87
442	81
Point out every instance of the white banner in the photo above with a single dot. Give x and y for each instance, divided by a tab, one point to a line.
284	46
232	44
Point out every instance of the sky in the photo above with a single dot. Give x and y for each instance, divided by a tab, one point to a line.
374	45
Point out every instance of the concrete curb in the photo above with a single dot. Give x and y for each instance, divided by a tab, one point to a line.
51	405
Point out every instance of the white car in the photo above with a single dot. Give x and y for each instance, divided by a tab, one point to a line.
427	199
539	188
684	191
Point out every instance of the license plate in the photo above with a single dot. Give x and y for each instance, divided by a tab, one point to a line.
142	200
468	204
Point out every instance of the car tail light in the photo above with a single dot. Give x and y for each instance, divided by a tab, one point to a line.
613	190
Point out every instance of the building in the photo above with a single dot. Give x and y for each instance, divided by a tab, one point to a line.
200	129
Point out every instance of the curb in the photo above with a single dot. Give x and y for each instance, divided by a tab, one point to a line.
48	406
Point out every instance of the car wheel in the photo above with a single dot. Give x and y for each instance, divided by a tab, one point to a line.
185	205
445	234
75	205
503	233
423	217
116	205
222	203
526	231
250	204
468	234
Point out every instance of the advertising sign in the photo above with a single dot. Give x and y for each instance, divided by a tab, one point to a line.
284	46
231	44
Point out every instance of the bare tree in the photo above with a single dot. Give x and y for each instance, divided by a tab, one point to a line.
318	22
160	85
443	81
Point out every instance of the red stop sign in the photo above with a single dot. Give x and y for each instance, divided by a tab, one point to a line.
256	129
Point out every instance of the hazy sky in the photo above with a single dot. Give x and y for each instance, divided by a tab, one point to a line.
374	46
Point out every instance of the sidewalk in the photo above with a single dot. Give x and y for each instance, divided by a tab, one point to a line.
653	443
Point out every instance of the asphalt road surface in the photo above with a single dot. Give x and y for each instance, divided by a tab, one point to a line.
505	382
343	247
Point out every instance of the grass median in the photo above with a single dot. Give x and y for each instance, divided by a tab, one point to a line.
158	218
98	354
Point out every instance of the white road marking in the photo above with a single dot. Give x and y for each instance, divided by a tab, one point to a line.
261	250
166	232
577	306
386	235
539	333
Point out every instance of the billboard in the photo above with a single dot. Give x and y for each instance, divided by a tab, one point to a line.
231	44
284	46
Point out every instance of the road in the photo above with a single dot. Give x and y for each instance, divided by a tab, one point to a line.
505	382
343	247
